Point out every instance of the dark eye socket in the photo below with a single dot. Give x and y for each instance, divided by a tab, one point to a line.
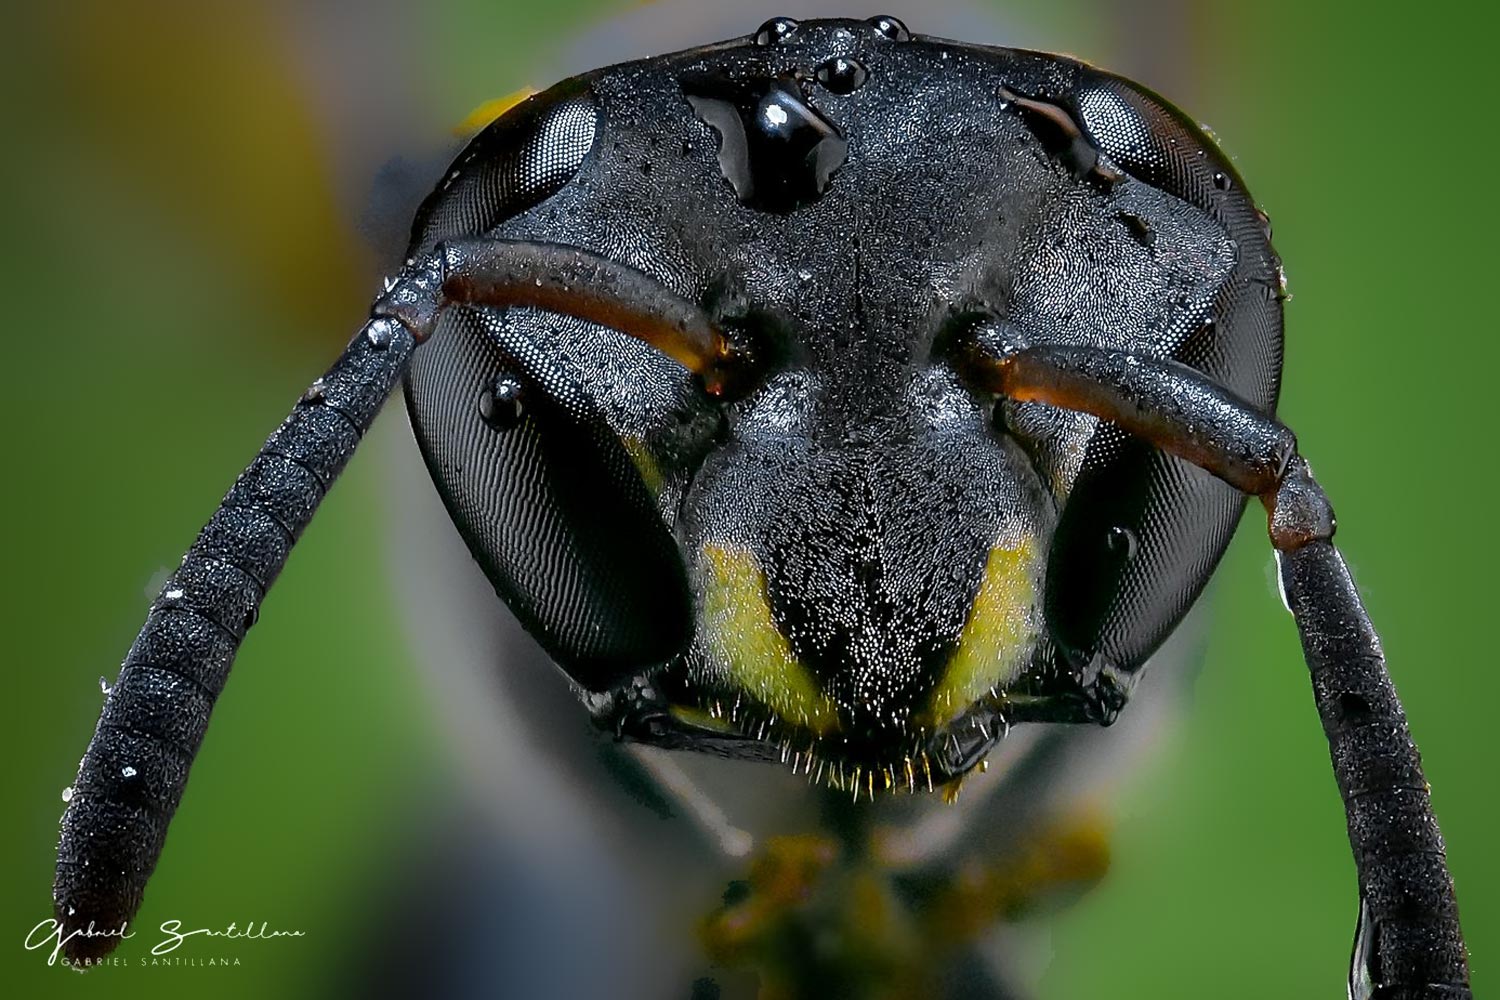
984	328
762	343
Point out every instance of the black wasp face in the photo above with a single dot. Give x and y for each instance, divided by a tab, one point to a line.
721	361
856	557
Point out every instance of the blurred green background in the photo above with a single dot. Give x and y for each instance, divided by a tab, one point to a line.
194	226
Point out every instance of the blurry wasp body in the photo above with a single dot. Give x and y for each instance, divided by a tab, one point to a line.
831	395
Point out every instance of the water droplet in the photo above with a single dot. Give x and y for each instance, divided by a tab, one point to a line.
1061	136
842	75
1281	582
1222	180
378	335
1139	228
1265	223
777	29
172	596
777	151
890	27
104	687
67	794
252	615
1122	542
314	394
500	403
1364	962
127	772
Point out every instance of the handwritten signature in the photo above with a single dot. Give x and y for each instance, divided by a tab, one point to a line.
54	932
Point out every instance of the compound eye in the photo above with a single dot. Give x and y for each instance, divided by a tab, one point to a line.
543	490
1141	532
551	503
518	161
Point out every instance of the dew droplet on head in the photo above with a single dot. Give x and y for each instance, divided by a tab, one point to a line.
776	149
890	28
842	75
1281	583
378	335
775	30
1265	223
501	403
1121	542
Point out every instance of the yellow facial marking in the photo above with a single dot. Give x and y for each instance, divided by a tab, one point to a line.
997	636
490	110
738	627
700	719
645	464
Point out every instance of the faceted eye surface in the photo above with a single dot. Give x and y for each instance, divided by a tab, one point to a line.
518	161
539	484
1142	532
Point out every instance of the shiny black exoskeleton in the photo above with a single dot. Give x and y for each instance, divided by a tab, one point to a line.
847	201
831	394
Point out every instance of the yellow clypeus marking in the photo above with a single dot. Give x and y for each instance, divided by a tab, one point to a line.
738	626
996	637
490	110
